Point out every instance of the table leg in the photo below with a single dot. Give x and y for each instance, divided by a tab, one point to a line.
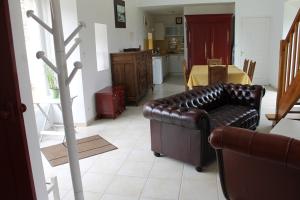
45	114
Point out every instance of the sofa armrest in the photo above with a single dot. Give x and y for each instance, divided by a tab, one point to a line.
247	95
186	117
271	147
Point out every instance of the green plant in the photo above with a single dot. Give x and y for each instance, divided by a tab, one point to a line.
51	78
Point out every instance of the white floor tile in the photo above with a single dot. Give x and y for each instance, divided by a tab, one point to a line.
110	162
126	186
87	196
210	171
143	198
141	156
162	189
220	191
167	168
96	182
199	189
116	197
136	169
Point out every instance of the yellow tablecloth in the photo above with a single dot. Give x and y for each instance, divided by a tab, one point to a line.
199	76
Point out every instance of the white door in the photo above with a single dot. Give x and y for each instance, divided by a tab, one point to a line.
255	45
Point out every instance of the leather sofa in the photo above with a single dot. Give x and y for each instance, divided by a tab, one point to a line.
181	124
257	166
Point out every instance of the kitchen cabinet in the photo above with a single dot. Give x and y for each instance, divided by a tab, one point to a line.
209	36
175	63
159	31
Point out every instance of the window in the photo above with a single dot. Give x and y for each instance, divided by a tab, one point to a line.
101	46
34	43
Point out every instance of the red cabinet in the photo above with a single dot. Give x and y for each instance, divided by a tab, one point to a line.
209	36
110	102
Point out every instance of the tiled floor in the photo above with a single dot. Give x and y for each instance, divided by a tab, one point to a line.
132	172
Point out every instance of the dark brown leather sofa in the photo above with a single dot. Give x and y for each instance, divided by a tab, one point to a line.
257	166
180	124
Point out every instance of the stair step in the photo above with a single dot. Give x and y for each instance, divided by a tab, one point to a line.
294	112
295	119
271	117
294	115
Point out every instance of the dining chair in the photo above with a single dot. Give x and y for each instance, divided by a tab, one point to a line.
217	74
251	69
214	61
186	74
246	66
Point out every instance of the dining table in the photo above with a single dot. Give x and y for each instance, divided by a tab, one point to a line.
199	76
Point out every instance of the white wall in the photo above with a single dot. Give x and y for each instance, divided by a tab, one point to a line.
95	11
145	3
167	20
290	11
261	8
26	97
226	8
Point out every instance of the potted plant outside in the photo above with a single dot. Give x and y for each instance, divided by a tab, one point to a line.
52	83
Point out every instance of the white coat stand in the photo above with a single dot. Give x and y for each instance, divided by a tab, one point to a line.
64	80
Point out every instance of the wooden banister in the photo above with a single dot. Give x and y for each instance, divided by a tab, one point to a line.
289	71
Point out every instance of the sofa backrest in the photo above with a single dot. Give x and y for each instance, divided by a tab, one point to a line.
206	98
211	97
246	95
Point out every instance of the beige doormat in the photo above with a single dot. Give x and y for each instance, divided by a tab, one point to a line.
90	146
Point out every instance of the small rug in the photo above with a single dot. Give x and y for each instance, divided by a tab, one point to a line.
90	146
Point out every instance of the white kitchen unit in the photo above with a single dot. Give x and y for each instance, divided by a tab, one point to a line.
159	66
175	64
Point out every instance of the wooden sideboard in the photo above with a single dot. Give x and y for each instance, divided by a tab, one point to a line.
133	70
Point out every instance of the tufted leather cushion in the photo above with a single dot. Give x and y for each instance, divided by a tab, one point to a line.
246	95
190	109
233	115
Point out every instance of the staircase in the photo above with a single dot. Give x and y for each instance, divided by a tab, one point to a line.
288	95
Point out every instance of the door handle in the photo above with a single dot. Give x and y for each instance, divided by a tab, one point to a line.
23	108
8	112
